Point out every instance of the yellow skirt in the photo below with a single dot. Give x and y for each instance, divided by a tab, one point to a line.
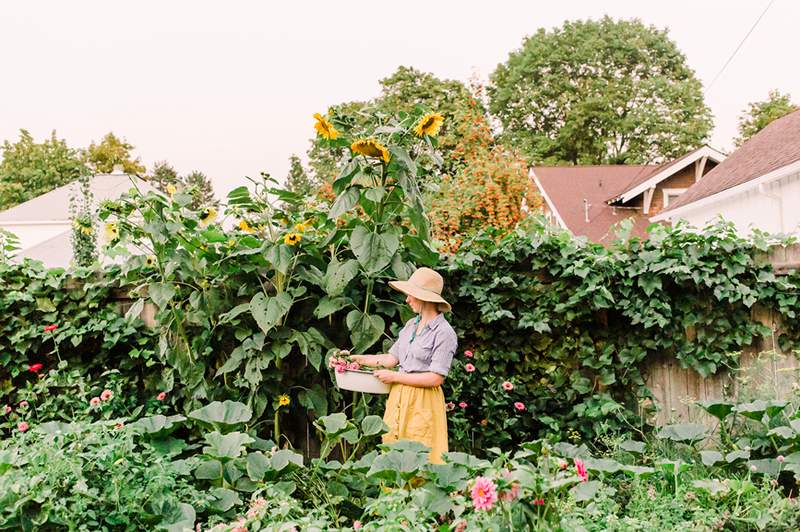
418	414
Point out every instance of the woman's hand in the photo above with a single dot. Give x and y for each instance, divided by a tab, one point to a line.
386	376
364	360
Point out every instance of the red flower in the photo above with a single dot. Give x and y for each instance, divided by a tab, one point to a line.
34	368
161	396
51	328
538	502
580	469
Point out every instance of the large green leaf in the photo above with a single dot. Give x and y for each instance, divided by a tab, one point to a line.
226	446
585	491
718	409
328	305
228	414
344	202
224	499
365	329
282	458
372	425
374	251
758	409
421	250
209	470
338	275
683	432
161	293
157	425
269	311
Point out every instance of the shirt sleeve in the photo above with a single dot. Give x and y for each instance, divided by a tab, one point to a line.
443	350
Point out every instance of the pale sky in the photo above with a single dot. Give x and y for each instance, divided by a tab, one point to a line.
229	88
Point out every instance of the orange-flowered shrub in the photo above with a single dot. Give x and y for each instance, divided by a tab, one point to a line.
490	187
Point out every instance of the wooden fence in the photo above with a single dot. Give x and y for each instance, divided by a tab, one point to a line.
763	369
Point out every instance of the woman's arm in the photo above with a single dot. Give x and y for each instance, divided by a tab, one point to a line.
427	379
384	360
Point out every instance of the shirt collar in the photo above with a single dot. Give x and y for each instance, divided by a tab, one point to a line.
435	322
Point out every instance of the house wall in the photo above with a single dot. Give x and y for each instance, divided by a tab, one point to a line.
682	179
34	234
754	210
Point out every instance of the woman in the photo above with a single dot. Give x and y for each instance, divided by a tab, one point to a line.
424	351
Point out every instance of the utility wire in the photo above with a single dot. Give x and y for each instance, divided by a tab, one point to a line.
721	70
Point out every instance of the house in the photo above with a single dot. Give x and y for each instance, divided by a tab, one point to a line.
756	187
589	200
44	226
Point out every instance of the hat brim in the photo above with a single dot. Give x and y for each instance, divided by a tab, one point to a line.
421	294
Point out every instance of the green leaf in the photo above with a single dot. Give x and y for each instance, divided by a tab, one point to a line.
714	487
585	491
365	330
710	458
226	446
683	432
257	466
344	202
421	250
718	409
280	256
283	457
161	293
632	446
328	305
229	413
157	425
268	312
224	499
233	313
374	251
433	500
338	275
758	409
209	470
372	425
334	424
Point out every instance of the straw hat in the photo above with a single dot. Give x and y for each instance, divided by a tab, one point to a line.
426	285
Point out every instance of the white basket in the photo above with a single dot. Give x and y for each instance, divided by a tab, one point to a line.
360	381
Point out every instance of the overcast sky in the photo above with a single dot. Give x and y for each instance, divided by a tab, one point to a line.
229	88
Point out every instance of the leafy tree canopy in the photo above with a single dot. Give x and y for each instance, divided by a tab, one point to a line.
112	151
759	114
595	92
299	182
29	169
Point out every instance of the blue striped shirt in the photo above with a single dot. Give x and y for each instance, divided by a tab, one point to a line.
432	349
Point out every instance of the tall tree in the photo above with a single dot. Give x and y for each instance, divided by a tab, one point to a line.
163	175
29	169
593	92
111	151
759	114
201	189
299	182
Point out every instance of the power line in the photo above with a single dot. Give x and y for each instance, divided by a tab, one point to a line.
721	70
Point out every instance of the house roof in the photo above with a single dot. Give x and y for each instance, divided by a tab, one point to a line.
661	172
55	252
564	188
772	148
54	205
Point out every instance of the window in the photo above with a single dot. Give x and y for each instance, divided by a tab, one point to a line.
670	194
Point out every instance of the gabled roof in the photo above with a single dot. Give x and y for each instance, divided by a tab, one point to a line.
774	147
565	187
53	206
664	171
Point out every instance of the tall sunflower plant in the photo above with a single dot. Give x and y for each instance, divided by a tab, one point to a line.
381	229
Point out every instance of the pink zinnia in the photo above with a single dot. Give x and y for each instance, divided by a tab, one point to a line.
353	365
469	368
461	526
51	328
161	396
23	404
512	494
356	524
468	354
7	409
94	401
450	406
484	493
580	469
462	404
780	458
332	362
106	395
34	368
519	406
507	386
341	368
22	426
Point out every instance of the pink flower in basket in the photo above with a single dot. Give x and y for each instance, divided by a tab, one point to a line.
353	365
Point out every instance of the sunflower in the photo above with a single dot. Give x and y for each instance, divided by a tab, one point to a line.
325	128
429	125
150	261
111	231
171	190
283	400
244	226
292	239
208	215
300	228
371	148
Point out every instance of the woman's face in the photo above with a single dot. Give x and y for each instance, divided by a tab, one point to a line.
414	303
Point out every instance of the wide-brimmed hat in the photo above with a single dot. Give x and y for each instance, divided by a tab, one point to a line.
426	285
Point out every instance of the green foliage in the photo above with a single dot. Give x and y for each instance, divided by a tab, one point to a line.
83	216
599	92
110	152
29	169
201	189
759	114
162	175
298	182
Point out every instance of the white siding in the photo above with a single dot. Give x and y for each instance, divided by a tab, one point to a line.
756	208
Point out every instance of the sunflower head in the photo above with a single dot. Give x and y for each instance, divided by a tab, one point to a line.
208	215
325	128
283	400
292	239
244	226
111	231
300	228
371	148
429	125
150	261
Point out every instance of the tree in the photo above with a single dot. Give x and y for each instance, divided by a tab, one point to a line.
299	182
110	152
29	169
163	175
759	114
201	189
594	92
